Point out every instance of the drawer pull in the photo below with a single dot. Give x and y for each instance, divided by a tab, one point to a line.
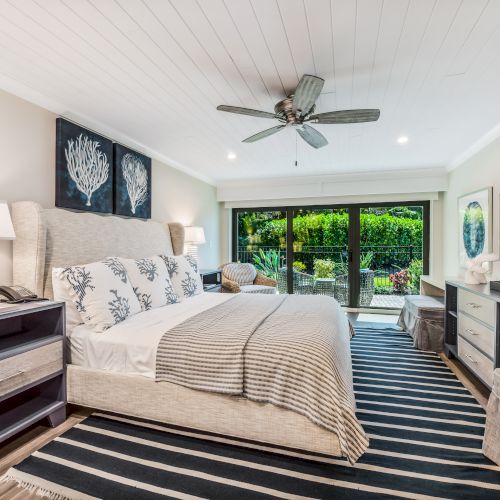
473	305
471	358
12	375
470	331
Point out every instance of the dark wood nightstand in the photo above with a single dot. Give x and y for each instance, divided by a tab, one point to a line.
32	365
211	279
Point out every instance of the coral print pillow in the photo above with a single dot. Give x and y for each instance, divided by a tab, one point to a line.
183	272
150	282
101	292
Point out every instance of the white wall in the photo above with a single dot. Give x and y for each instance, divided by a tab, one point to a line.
479	171
27	172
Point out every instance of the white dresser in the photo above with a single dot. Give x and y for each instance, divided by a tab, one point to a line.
472	328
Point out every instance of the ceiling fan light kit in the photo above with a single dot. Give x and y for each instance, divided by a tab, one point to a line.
297	109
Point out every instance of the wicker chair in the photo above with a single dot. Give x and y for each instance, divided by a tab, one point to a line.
259	283
367	287
303	283
341	291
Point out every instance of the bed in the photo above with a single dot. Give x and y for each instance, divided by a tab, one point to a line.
115	370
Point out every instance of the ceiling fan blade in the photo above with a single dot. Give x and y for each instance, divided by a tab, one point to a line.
264	133
246	111
347	116
312	136
306	94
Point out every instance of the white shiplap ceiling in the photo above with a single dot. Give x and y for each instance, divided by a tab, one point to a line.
154	71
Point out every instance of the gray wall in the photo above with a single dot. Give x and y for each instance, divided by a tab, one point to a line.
479	171
27	172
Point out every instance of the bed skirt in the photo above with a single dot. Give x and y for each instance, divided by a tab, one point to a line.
173	404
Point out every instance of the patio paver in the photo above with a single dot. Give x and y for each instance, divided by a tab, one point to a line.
388	301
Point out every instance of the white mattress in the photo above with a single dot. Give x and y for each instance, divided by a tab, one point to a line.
130	347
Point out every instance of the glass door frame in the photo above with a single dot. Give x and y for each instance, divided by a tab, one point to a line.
354	238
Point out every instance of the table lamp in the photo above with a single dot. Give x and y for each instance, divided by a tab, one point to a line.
193	236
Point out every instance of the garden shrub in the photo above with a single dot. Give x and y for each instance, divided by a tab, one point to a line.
324	268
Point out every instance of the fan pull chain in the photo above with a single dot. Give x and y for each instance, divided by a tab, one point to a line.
296	149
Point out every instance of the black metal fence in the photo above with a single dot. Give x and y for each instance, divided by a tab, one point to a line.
384	260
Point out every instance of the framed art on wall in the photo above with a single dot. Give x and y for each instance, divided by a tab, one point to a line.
132	190
84	168
475	214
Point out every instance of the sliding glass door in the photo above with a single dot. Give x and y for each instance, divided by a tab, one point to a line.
392	253
321	252
260	238
364	256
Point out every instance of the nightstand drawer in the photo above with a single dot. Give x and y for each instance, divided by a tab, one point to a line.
477	306
477	362
23	369
477	334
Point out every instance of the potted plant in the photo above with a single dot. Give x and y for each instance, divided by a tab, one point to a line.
324	268
400	281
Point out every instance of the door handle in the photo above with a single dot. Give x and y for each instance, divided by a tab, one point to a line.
12	375
473	305
471	331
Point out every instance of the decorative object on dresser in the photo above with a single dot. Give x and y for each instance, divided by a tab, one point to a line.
32	367
6	228
476	272
211	279
244	278
193	236
84	168
132	189
475	224
472	326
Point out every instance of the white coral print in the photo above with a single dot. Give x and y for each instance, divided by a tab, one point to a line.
136	178
87	165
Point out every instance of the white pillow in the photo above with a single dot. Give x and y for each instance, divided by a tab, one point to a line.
183	272
101	291
61	294
150	281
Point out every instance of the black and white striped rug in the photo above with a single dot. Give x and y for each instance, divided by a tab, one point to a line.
425	434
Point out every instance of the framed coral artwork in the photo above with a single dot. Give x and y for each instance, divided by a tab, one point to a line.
84	168
475	214
132	174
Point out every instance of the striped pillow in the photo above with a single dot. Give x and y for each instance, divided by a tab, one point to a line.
243	274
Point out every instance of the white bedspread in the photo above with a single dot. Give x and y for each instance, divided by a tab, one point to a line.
130	347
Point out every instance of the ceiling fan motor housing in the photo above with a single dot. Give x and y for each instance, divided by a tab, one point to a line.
284	112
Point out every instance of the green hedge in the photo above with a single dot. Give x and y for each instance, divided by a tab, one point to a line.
331	229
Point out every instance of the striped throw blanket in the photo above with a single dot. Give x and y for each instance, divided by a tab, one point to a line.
291	351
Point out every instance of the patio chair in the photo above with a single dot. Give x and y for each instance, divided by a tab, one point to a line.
367	287
341	290
244	278
303	283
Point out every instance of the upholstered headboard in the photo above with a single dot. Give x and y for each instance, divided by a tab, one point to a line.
47	238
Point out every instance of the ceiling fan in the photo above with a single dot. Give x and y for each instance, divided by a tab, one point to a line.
297	110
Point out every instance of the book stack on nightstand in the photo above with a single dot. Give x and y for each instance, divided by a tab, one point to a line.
32	368
211	279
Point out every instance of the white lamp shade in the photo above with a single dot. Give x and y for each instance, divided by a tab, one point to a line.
6	228
194	235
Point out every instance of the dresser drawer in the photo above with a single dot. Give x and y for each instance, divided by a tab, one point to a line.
479	307
477	362
477	334
23	369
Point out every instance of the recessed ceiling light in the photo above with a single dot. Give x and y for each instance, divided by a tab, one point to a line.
231	156
402	139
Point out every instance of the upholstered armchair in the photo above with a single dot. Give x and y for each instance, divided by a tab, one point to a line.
245	278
